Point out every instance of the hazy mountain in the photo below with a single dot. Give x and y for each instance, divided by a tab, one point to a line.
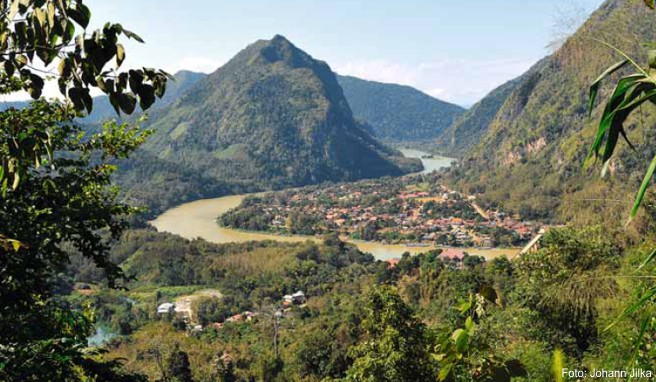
271	117
398	113
184	80
103	110
530	157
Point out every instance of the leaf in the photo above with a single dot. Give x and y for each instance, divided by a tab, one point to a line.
650	3
146	97
133	35
120	54
647	260
445	371
13	10
594	88
14	186
127	102
16	244
461	339
643	188
628	311
615	101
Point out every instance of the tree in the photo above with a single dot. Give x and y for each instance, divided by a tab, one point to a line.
395	347
55	189
179	369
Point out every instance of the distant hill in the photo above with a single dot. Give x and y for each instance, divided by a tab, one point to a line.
397	113
530	155
184	80
103	110
271	117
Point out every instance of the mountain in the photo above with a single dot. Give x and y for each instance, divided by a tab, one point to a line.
183	81
271	117
468	129
539	137
398	114
103	110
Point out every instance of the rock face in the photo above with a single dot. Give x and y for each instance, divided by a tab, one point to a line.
535	132
396	113
271	117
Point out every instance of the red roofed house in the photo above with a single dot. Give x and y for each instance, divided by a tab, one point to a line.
392	263
452	254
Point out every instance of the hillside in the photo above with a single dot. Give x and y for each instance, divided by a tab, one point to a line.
468	129
538	139
398	114
272	117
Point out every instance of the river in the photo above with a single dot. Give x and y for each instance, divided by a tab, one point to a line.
198	220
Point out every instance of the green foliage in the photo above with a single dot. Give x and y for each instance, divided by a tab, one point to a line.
470	127
272	117
533	141
56	194
397	113
395	347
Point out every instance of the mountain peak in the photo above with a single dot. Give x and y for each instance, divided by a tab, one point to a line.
280	49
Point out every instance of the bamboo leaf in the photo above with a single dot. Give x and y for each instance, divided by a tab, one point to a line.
643	188
649	258
628	311
594	88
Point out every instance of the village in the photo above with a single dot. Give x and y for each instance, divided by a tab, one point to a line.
182	310
413	214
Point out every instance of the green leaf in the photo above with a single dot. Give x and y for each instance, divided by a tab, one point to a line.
608	116
641	302
643	188
120	54
461	339
133	35
649	258
594	88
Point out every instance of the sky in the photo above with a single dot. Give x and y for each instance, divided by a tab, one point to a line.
454	50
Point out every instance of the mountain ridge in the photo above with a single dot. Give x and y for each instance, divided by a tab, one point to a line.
272	117
398	113
538	139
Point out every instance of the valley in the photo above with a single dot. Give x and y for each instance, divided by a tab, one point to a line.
198	219
280	218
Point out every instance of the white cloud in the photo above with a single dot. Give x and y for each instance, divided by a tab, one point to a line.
459	81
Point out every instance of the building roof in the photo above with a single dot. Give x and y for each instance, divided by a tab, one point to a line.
165	307
452	254
392	262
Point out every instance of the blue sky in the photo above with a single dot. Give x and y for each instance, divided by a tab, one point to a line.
452	49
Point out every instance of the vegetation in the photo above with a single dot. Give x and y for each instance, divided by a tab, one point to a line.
54	183
272	117
398	114
534	140
469	128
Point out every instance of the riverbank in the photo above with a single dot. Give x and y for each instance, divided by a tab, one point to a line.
198	220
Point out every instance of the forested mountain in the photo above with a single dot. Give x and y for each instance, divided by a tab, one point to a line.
539	138
271	117
468	129
397	113
183	81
